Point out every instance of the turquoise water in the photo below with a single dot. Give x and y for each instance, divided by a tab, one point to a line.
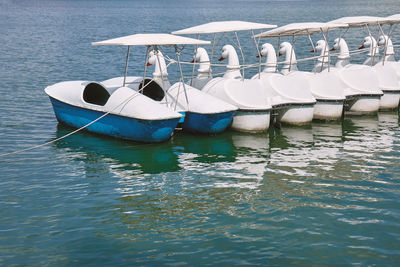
327	194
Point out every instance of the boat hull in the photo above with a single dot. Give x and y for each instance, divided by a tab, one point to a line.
328	110
251	120
207	123
149	131
389	100
362	105
295	114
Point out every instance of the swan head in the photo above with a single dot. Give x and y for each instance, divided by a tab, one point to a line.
321	45
156	58
368	42
336	44
284	48
199	53
265	49
382	40
225	52
152	58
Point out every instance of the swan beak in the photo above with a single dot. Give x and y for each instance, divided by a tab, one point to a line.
312	50
258	56
280	54
361	47
221	58
148	64
193	61
333	49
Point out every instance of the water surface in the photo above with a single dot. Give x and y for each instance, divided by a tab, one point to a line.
324	194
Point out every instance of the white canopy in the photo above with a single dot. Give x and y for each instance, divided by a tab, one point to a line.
394	18
302	28
360	21
152	39
224	26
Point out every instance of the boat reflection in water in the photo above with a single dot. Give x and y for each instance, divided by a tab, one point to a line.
123	158
230	159
205	148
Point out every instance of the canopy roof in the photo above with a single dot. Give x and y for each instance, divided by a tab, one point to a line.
224	26
152	39
360	21
395	18
302	28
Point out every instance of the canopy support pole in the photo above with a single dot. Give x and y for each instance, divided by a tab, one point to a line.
241	52
212	53
126	65
312	44
155	48
194	62
145	67
291	53
326	45
180	71
259	54
277	53
372	45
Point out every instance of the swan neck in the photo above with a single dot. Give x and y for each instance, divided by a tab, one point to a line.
271	61
343	50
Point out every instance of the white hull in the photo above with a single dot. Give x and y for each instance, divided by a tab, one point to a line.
251	121
295	115
362	105
389	100
328	110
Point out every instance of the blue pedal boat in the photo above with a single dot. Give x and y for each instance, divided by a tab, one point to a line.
132	115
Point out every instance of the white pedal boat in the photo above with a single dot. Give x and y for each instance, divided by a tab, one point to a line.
253	113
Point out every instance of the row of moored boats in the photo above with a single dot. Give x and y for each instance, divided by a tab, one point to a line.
149	109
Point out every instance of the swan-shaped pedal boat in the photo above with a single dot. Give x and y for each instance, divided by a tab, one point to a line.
389	58
132	116
382	77
254	109
203	113
325	87
290	96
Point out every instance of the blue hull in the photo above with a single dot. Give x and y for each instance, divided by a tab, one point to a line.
114	125
207	123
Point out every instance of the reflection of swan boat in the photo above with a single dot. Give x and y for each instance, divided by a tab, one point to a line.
208	149
150	158
368	135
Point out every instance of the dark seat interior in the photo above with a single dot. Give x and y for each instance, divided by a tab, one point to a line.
96	94
152	90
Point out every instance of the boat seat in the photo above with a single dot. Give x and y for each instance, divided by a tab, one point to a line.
152	90
96	94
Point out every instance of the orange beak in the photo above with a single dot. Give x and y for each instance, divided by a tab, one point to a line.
279	54
148	64
258	56
193	61
312	50
333	49
221	58
361	47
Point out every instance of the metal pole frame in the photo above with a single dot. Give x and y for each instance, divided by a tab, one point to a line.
126	65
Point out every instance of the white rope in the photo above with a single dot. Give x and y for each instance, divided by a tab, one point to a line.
77	130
